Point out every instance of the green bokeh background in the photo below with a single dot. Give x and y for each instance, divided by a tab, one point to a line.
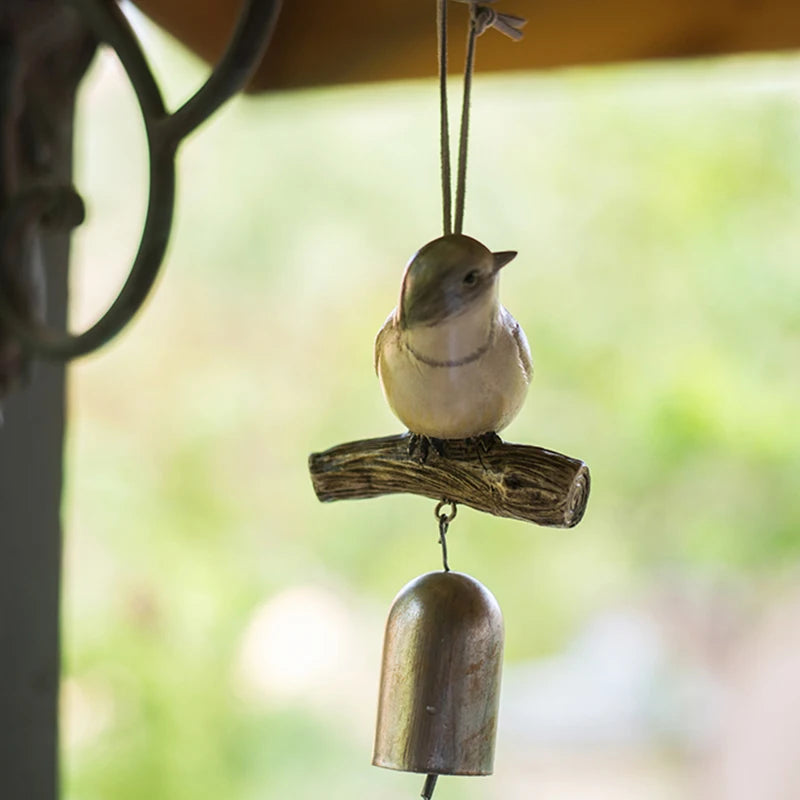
656	210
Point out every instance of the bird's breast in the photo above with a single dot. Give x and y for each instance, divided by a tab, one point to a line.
454	386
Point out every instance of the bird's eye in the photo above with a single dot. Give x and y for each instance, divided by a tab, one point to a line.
471	278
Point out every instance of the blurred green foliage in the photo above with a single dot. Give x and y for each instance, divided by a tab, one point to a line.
656	210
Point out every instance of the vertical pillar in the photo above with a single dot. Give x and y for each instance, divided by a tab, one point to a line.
30	564
51	51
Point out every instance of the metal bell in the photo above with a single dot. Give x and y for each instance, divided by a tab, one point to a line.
440	679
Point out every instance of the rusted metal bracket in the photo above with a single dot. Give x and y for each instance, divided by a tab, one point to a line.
22	214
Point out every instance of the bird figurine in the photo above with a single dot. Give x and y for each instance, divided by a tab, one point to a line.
452	361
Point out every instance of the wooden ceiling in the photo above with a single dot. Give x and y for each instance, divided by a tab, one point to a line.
322	42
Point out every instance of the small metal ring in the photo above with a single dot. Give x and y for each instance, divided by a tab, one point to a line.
447	517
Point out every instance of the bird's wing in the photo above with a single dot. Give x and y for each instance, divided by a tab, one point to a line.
380	339
523	349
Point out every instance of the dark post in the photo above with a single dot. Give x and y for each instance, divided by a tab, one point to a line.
44	52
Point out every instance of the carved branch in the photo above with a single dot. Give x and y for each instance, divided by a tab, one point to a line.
508	480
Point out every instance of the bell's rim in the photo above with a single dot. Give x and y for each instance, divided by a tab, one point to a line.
423	770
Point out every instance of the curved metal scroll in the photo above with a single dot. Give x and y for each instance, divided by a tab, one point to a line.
164	133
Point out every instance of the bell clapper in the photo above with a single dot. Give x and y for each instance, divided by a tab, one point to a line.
428	787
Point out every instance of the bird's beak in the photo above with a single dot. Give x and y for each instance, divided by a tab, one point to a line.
502	258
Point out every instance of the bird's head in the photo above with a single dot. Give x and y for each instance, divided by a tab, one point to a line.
447	277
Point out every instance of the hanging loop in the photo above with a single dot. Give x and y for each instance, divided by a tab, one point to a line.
453	510
444	524
482	17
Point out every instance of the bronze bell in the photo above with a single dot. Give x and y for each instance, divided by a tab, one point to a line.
440	680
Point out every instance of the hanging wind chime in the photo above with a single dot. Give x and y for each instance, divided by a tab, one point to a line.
454	366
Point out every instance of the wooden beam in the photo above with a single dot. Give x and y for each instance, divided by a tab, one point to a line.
319	42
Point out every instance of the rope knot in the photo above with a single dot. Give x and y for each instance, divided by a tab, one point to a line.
485	17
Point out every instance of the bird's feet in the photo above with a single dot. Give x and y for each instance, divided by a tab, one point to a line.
420	446
484	442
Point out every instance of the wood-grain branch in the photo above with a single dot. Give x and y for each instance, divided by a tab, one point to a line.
508	480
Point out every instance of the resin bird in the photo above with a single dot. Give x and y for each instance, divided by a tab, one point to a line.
452	361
